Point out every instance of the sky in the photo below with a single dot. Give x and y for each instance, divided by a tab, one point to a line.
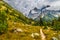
25	6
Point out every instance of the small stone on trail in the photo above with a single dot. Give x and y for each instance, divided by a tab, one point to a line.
17	30
34	34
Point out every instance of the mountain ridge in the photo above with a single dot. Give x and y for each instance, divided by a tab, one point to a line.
52	13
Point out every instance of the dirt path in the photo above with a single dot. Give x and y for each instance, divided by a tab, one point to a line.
43	37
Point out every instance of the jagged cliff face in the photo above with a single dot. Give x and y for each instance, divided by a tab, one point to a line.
46	14
26	5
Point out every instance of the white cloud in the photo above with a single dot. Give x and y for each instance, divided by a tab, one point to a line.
54	5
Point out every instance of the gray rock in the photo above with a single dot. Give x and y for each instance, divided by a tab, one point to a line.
54	38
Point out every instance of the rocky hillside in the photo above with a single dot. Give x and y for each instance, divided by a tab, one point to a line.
15	26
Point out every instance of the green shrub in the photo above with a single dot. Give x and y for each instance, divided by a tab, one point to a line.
3	22
56	24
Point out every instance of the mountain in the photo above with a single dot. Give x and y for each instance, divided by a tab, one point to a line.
27	6
47	15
